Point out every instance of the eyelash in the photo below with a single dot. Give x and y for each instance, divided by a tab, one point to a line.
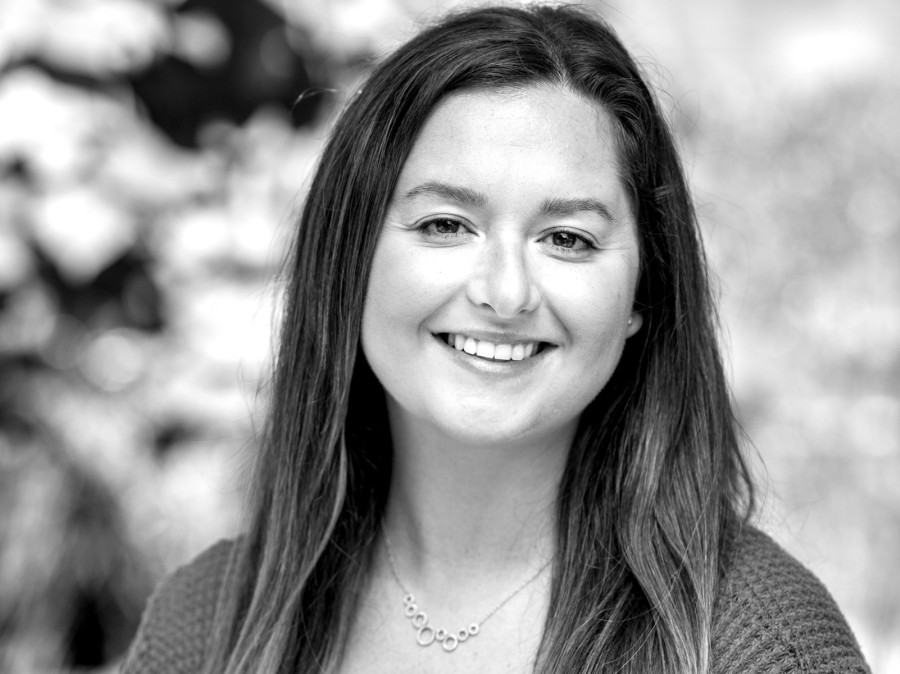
423	228
587	243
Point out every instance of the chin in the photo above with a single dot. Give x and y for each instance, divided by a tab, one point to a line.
486	430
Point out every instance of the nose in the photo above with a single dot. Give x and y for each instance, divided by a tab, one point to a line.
503	280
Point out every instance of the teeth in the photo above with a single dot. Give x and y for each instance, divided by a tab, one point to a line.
489	350
503	352
485	350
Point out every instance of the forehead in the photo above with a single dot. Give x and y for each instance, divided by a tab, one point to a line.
543	140
549	113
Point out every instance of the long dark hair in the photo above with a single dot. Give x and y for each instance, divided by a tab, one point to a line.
655	477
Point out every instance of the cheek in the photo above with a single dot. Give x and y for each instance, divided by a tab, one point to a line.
408	281
378	294
593	307
390	284
403	290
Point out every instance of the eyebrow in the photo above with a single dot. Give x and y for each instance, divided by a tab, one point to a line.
552	207
570	206
461	195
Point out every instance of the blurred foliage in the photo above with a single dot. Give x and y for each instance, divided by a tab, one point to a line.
152	153
148	154
816	336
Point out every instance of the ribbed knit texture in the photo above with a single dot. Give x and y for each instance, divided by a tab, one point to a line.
772	616
178	619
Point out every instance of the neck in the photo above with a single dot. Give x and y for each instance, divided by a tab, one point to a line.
482	509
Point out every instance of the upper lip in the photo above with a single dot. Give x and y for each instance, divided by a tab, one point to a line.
495	337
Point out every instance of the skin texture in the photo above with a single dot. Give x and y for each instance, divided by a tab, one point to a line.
501	258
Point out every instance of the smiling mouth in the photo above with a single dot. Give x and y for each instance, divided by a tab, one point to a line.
491	350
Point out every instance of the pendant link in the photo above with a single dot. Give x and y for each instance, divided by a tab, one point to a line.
426	634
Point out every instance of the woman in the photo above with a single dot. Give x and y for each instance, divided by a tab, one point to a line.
499	434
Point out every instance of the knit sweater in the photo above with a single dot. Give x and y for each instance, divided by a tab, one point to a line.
771	615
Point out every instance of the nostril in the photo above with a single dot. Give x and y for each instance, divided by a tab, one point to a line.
504	283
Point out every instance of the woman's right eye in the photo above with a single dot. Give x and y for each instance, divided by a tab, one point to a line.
442	228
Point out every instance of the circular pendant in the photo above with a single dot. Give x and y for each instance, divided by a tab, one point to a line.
419	620
425	637
427	634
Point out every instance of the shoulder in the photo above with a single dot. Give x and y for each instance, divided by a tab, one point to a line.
179	616
773	615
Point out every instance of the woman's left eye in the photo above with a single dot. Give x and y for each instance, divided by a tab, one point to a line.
568	241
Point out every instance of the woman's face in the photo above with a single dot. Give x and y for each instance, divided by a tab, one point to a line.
501	290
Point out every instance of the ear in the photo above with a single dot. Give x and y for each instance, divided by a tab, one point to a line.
635	321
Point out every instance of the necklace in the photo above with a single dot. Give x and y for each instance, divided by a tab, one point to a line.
426	634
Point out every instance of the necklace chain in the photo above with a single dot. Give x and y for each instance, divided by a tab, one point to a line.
426	633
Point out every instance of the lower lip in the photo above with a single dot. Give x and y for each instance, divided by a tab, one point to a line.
491	366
